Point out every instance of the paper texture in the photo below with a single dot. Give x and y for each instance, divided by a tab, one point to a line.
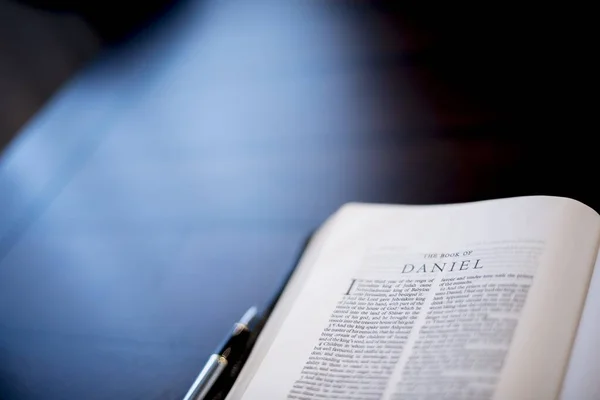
426	302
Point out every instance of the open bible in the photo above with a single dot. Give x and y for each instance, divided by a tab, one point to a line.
489	300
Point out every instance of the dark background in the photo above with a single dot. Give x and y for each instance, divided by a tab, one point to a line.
180	154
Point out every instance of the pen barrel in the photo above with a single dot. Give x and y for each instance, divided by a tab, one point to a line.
236	343
206	378
234	346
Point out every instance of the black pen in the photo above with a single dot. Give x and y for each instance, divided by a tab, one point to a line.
233	347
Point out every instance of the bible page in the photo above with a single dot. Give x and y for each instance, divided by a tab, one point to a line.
457	301
582	381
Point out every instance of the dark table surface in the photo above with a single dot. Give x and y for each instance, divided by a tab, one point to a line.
169	185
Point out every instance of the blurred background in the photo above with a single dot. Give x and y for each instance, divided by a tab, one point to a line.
162	164
38	52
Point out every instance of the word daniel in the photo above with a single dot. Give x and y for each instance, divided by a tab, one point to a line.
441	267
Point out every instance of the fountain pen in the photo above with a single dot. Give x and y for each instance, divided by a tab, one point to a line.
233	346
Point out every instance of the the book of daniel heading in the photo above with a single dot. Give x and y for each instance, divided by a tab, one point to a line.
489	300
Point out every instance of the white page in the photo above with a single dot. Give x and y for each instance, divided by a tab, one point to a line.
552	223
582	381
